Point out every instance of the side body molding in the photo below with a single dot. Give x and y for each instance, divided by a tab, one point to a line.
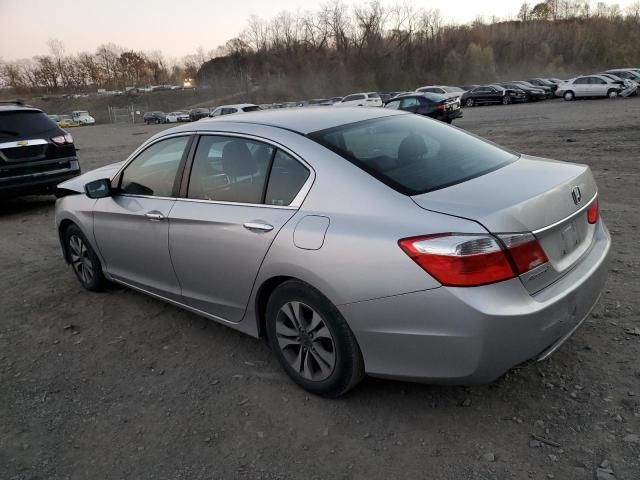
310	232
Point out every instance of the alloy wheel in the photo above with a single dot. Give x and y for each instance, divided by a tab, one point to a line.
80	259
305	341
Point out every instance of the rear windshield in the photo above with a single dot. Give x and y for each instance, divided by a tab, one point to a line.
24	123
413	154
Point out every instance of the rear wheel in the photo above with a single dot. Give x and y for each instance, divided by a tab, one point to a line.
568	96
312	340
612	93
469	102
83	259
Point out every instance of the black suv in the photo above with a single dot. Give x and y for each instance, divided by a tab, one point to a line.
35	153
154	117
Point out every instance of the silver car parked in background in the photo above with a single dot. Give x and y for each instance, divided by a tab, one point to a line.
356	241
589	86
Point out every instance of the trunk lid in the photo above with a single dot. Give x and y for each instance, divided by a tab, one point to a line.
546	197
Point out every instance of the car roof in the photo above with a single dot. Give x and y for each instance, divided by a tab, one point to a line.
237	105
17	107
302	121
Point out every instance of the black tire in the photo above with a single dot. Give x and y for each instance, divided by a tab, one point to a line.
348	367
87	268
568	95
449	121
469	102
506	100
612	93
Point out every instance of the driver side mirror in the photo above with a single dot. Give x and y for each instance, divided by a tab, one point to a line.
98	188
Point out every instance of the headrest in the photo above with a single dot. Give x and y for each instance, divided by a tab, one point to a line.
237	160
411	149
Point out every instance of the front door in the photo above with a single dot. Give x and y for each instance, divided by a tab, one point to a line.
239	197
132	228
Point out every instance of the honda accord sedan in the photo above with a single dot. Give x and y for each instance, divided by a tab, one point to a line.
355	241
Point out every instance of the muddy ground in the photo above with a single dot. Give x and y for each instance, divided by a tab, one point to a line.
121	386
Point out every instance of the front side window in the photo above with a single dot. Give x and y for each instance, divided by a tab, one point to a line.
350	98
229	169
153	172
597	81
414	155
409	102
395	104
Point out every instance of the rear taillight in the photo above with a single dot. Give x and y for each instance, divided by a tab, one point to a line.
525	250
440	106
593	212
62	139
465	260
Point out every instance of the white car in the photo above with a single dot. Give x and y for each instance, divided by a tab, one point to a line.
175	117
630	86
589	86
83	117
368	99
449	92
237	108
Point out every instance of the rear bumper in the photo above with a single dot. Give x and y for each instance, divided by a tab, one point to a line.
474	335
38	181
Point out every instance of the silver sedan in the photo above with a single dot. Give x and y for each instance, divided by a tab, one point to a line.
354	240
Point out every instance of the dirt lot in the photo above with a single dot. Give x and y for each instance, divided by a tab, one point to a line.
119	385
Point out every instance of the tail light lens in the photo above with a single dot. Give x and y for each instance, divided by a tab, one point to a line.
525	250
593	212
62	139
440	106
464	260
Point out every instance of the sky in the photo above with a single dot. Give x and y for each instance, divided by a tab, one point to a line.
175	27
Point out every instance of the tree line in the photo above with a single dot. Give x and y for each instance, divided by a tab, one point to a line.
341	48
111	67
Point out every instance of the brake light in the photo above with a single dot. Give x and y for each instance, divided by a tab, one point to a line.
440	106
593	212
525	250
62	139
465	260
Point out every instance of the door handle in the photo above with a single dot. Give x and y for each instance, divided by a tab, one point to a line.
154	216
264	227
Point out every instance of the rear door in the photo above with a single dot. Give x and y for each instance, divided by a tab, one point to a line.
238	193
131	227
598	87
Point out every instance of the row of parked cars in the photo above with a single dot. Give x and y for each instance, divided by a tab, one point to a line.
445	102
77	118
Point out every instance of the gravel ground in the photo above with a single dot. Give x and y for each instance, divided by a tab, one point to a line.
119	385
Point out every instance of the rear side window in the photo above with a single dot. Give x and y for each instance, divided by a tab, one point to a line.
395	104
350	98
19	124
286	179
229	169
412	154
252	108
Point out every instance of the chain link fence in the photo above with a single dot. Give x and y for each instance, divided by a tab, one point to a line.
130	114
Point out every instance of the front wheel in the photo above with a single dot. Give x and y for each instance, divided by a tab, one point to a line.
83	259
312	340
506	100
469	102
612	93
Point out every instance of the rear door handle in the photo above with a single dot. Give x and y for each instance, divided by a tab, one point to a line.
264	227
154	216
